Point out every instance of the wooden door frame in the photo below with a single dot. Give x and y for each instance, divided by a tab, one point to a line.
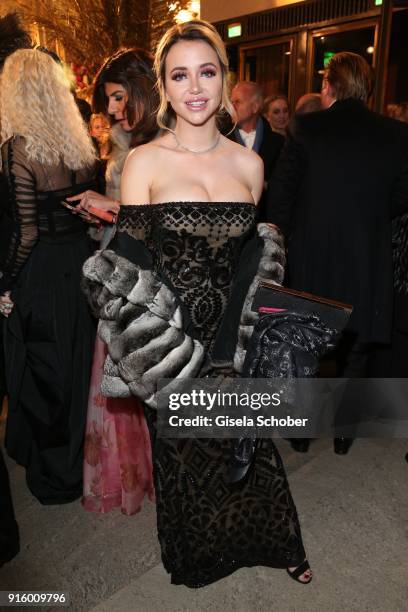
361	24
269	42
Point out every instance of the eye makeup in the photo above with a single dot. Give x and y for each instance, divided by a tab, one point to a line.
178	76
207	70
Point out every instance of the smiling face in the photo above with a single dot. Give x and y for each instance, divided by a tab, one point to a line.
99	127
193	81
117	98
278	114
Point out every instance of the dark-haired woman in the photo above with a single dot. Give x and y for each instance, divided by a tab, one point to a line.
117	465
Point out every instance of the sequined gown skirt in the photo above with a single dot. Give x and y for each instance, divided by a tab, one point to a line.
117	454
209	527
49	341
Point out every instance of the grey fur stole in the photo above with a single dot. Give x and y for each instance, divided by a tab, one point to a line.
142	323
271	267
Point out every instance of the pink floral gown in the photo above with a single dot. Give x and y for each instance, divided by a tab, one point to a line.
117	454
118	458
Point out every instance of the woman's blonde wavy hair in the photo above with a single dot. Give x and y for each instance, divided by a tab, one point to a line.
191	30
36	103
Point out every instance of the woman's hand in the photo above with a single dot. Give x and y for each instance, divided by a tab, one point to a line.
96	200
6	304
83	214
273	226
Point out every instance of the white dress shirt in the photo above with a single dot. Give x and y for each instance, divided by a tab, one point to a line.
248	138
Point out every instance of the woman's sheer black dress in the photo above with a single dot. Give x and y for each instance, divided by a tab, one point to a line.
208	527
50	334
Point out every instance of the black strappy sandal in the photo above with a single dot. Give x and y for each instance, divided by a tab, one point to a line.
301	569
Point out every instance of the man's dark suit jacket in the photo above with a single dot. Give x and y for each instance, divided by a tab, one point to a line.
341	178
268	145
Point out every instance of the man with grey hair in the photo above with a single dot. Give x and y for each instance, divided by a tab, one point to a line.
254	132
341	178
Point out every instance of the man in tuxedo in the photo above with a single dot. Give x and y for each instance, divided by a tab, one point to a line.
253	131
341	178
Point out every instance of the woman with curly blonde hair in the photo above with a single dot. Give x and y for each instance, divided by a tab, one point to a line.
47	155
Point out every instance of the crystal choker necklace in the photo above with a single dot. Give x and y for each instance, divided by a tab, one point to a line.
213	146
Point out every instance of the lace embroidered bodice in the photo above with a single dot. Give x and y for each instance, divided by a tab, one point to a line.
196	246
31	206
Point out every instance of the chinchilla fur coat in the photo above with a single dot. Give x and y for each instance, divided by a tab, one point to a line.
146	326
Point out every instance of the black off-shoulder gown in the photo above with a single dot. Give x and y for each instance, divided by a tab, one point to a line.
209	527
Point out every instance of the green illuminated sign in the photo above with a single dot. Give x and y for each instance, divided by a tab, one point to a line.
378	2
327	55
234	30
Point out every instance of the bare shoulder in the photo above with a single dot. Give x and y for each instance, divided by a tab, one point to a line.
140	161
137	176
252	161
150	153
140	156
249	165
244	156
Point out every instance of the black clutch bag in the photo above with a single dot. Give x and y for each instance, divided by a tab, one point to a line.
271	298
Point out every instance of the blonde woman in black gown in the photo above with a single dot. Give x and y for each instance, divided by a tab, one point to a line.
167	287
47	156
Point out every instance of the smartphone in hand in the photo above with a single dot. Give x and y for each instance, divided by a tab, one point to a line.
105	215
84	214
70	205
